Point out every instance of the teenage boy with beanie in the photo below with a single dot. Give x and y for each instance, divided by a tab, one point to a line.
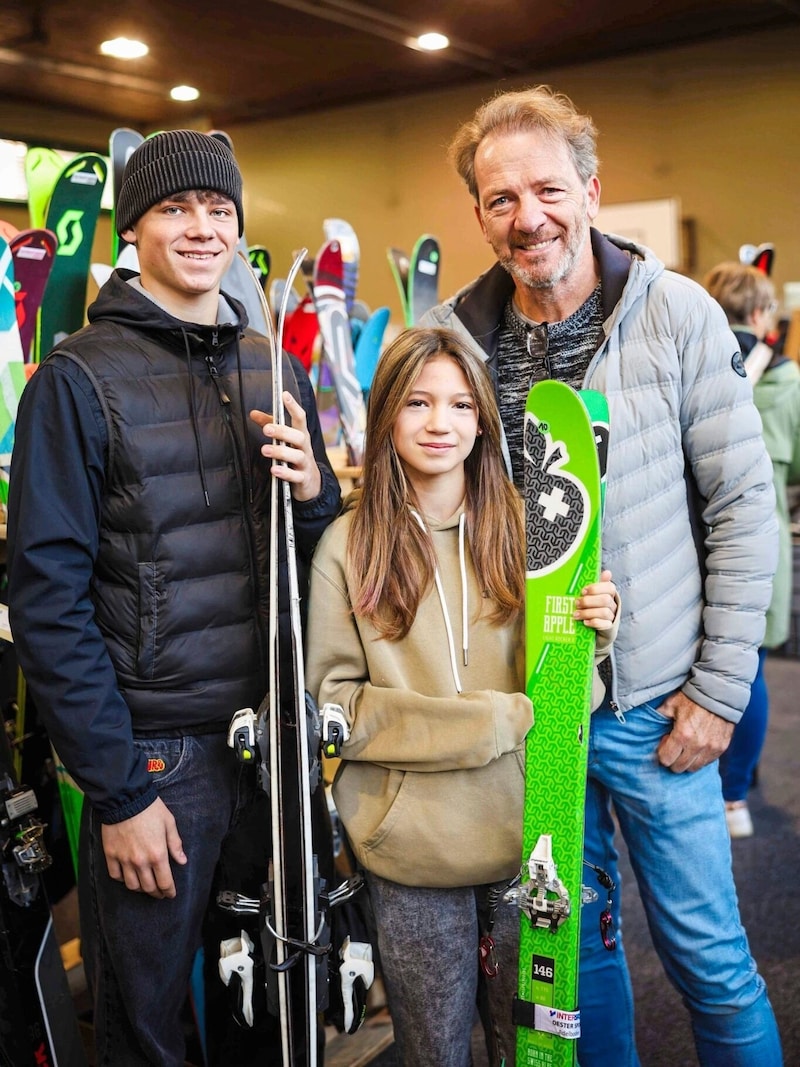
138	544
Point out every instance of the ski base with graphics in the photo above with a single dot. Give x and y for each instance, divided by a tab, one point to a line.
260	262
122	143
33	252
72	215
12	368
562	525
416	277
334	325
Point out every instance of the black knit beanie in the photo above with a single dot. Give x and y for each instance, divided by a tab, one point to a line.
176	161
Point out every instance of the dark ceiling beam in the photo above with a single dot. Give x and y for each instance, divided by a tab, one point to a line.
375	23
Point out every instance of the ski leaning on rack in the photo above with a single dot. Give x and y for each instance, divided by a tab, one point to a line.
72	215
341	231
38	1027
122	143
417	277
562	527
337	346
33	252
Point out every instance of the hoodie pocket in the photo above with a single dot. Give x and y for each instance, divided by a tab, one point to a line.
395	790
440	829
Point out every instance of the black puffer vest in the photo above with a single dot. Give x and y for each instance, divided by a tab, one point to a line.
179	588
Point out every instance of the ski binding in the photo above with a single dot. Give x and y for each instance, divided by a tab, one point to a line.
532	896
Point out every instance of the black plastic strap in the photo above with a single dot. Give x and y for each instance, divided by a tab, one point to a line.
522	1013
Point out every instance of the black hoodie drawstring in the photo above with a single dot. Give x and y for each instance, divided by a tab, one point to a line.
195	427
248	462
226	403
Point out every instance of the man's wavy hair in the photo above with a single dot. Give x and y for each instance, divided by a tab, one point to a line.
538	108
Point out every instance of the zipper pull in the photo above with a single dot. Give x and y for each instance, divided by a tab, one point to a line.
212	370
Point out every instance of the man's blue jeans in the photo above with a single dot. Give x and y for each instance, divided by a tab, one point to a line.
138	951
674	826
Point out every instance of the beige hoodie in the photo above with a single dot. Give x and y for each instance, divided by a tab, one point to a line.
431	784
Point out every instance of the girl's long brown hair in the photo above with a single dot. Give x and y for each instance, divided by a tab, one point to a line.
391	558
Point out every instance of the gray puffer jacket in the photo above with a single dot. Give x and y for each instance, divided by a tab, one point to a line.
689	530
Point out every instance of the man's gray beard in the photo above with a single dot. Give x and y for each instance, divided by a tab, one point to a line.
533	280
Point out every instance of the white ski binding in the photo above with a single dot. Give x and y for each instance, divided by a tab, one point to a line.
236	972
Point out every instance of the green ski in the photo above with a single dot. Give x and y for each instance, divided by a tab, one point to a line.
562	523
417	277
42	168
72	216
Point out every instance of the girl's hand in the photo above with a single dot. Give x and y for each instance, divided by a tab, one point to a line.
597	604
292	444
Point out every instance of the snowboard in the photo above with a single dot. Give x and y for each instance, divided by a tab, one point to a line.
562	528
33	252
122	143
38	1025
72	215
337	346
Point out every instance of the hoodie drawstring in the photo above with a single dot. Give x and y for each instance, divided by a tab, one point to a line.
195	427
464	600
248	461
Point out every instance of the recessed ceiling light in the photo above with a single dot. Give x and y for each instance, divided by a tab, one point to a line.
184	92
123	48
433	42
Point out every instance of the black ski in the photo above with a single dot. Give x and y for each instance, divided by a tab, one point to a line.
38	1027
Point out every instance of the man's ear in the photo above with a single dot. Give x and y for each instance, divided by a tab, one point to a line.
593	197
129	235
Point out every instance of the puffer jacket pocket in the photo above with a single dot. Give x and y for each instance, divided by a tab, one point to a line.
148	620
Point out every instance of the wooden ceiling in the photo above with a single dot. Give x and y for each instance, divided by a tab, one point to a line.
254	59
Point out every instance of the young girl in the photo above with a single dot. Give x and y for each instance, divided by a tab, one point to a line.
415	629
